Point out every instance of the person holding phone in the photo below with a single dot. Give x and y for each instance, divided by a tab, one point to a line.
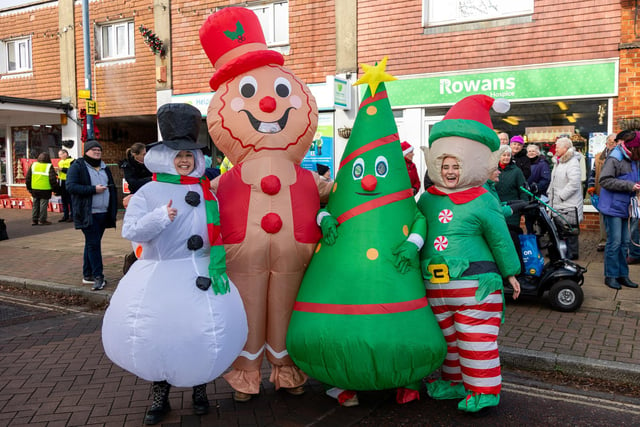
94	207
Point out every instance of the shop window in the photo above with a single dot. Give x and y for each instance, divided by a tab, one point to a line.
448	12
274	19
115	40
16	55
28	142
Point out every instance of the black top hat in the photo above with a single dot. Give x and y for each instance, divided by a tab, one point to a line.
179	126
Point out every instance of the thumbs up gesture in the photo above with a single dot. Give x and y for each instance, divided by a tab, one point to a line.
171	212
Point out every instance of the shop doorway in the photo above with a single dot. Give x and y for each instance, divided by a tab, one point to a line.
419	159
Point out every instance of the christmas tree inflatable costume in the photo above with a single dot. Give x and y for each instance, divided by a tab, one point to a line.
361	319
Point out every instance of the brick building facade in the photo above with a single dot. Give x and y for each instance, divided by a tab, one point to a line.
326	39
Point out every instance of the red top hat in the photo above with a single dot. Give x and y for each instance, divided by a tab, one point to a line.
233	40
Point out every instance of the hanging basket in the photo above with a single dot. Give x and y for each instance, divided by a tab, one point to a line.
344	132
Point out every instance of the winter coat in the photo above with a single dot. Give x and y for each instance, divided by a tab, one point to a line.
43	194
522	161
565	189
81	191
508	188
135	173
540	176
617	177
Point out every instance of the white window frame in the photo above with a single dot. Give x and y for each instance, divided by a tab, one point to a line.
22	55
448	12
119	37
274	19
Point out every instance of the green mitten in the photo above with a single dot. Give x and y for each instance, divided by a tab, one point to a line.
220	284
329	227
218	270
403	256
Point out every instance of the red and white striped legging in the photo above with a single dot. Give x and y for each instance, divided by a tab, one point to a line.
470	328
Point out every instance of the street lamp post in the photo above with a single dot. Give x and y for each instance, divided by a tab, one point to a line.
87	62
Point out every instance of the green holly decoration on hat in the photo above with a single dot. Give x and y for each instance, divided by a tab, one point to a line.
361	320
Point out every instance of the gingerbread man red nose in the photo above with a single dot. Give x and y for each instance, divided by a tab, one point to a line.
267	104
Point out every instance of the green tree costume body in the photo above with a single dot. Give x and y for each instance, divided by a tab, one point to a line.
359	323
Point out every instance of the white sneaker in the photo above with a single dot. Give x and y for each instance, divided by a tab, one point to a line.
87	280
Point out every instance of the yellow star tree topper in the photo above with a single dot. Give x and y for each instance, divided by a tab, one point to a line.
374	75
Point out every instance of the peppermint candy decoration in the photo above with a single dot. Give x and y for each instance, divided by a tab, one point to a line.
441	243
445	216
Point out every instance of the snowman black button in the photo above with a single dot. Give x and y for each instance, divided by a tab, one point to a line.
203	283
195	242
192	198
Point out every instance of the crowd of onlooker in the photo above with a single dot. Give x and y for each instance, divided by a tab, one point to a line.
560	179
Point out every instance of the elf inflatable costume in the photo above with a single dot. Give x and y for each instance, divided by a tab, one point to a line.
361	320
466	253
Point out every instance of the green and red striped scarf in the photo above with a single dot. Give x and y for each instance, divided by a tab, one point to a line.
210	203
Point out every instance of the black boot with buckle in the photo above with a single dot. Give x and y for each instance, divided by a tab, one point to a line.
160	405
200	400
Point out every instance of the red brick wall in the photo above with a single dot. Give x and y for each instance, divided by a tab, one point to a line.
20	192
591	222
121	89
311	35
559	31
44	81
628	102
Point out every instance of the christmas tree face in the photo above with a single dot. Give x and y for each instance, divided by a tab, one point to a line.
372	171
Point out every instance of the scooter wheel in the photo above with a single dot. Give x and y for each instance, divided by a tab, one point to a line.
566	295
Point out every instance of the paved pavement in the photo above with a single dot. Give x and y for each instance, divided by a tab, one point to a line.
600	340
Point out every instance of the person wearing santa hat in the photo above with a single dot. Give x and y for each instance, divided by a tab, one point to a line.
264	119
467	253
407	152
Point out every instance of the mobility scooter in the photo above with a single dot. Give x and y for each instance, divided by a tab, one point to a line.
560	277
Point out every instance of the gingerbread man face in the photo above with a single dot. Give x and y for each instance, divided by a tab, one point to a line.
265	111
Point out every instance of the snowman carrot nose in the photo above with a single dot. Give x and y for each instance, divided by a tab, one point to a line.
267	104
369	183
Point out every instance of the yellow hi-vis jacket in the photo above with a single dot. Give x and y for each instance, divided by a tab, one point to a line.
63	166
40	176
225	165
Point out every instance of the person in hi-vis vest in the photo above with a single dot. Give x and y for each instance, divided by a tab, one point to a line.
41	181
63	167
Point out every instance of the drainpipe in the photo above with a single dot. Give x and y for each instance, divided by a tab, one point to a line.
86	31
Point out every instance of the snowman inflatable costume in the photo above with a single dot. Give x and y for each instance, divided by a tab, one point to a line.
175	316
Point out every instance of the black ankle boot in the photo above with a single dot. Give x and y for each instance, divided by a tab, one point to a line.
200	400
160	405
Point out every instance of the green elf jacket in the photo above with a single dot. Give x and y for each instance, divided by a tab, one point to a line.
466	232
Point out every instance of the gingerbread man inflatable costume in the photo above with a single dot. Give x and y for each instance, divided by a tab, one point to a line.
263	118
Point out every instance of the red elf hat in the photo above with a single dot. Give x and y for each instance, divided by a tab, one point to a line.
469	118
233	40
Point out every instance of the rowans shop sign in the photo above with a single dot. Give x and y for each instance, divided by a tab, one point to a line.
568	80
